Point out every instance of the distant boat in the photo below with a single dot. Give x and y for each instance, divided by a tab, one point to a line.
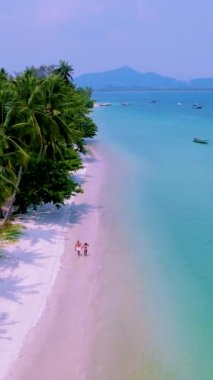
104	104
126	104
154	101
200	141
197	107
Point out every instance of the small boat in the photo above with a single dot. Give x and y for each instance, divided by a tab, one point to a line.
197	107
105	104
154	101
200	141
126	104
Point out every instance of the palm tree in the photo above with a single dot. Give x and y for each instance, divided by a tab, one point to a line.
12	199
7	184
3	75
65	71
13	150
40	117
33	122
12	155
37	115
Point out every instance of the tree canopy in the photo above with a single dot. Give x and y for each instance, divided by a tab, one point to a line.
44	120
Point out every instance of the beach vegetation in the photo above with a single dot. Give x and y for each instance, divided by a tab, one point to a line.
47	180
42	71
10	232
44	121
65	71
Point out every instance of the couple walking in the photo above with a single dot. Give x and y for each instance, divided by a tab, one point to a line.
79	247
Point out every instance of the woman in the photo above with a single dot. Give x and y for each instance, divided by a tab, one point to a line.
85	248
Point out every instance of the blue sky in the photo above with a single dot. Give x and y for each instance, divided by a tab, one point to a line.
170	37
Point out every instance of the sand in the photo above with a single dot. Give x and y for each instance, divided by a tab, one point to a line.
90	322
42	279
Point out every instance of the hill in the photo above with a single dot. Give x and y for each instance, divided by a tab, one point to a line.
126	78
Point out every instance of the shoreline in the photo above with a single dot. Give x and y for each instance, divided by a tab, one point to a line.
27	277
75	275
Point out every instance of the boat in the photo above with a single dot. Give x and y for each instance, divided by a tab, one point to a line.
126	104
197	107
200	141
105	104
154	101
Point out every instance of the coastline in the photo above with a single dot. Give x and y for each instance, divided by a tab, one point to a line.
30	282
93	326
28	273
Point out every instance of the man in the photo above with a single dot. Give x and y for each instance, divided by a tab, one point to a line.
78	247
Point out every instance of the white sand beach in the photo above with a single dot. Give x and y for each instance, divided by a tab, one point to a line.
32	288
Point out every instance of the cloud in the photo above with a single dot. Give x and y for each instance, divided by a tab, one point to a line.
55	11
60	11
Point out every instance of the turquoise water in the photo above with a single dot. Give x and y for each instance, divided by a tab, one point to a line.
165	186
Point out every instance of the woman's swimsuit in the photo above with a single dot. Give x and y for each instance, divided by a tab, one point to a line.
85	248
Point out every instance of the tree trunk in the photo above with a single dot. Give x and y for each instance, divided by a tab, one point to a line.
8	213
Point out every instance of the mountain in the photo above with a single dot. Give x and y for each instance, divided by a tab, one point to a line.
202	83
126	78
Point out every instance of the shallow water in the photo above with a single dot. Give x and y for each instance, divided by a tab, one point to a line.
157	310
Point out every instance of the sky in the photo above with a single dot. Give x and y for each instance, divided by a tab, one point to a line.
169	37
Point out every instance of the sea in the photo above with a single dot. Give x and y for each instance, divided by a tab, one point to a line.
155	318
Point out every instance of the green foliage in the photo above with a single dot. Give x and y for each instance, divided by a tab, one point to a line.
65	71
7	182
44	120
3	75
47	180
42	71
86	94
10	232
